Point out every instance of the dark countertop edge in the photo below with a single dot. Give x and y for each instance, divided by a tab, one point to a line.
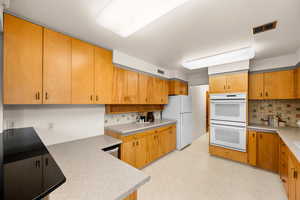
123	196
139	130
50	190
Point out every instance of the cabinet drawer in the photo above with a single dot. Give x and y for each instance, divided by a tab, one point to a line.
228	154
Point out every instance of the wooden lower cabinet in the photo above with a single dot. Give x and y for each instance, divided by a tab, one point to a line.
145	147
283	164
293	178
228	154
267	151
263	150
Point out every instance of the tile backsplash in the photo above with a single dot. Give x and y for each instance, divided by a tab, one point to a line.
114	119
288	110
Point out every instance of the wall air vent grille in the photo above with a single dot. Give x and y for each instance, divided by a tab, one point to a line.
265	27
160	71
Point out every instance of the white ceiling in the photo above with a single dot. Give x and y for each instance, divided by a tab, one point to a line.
197	29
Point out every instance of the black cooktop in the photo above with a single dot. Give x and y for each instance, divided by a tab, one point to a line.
27	169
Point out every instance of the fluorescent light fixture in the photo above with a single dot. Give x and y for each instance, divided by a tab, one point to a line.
224	58
125	17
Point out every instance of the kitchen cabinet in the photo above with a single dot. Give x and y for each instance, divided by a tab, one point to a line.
272	85
297	82
134	152
82	72
283	164
56	68
267	151
125	89
104	72
256	86
263	150
293	178
230	154
279	84
132	196
145	88
228	83
23	61
252	144
144	147
177	87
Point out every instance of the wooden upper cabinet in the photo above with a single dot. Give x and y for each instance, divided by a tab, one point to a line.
279	84
56	68
82	72
22	72
132	79
228	83
177	87
237	82
297	82
267	151
217	84
144	88
104	71
256	86
119	86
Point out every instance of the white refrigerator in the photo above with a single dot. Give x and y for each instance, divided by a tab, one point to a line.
180	109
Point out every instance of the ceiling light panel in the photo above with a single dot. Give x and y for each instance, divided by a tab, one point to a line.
125	17
224	58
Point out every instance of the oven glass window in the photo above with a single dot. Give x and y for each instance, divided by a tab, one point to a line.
227	110
228	135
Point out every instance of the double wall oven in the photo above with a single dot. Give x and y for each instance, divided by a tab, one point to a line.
228	120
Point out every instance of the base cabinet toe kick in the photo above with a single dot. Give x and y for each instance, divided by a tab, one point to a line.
266	150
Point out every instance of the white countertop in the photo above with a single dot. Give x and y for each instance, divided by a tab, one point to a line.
92	173
127	129
289	135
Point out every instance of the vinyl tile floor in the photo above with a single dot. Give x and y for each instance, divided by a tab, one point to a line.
192	174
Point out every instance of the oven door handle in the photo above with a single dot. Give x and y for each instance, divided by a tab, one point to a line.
228	101
227	125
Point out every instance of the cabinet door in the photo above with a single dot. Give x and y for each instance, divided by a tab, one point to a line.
237	82
183	88
153	150
173	138
256	86
297	181
141	152
164	142
279	85
56	68
82	72
143	89
217	84
165	93
119	85
131	96
297	86
128	152
157	91
283	164
291	179
23	53
252	148
104	71
267	154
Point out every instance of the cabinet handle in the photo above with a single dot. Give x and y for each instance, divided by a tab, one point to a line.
260	136
36	96
133	144
295	174
91	97
261	94
228	87
37	164
96	97
267	94
224	87
46	161
46	95
253	135
137	143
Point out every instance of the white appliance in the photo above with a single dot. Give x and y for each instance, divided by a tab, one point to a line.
180	108
228	114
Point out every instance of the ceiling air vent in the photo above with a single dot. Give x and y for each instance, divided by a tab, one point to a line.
265	27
